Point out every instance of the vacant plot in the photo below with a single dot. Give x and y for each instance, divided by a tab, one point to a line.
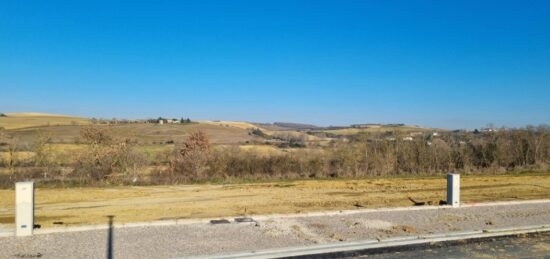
76	206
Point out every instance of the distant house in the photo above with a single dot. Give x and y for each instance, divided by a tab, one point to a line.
489	130
161	120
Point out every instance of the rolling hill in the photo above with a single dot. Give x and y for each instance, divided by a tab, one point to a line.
66	129
32	119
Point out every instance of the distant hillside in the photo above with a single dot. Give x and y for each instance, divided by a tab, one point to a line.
35	114
144	133
235	124
32	119
292	125
65	129
376	129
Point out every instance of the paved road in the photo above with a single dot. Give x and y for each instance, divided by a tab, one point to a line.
524	246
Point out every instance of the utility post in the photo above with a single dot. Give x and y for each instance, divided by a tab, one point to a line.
453	189
24	208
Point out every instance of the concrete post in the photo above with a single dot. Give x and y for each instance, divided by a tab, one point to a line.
24	208
453	189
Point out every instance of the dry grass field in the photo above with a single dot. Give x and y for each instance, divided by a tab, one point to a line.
377	129
75	206
235	124
26	120
262	149
144	133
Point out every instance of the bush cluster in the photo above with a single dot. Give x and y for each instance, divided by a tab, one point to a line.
106	160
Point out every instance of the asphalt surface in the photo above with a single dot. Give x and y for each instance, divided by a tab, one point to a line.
271	232
521	246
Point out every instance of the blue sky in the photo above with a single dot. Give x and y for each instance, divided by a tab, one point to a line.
451	64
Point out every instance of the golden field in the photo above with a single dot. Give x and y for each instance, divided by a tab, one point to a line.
26	120
76	206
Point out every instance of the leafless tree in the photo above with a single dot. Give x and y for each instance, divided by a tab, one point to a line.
190	159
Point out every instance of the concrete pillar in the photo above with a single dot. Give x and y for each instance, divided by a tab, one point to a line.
453	189
24	208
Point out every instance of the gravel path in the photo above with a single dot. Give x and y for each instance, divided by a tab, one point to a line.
272	232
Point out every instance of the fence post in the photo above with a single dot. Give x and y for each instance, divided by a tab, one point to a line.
24	208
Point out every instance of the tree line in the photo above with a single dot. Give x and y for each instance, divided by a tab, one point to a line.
107	160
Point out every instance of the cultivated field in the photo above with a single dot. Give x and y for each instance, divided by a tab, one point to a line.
75	206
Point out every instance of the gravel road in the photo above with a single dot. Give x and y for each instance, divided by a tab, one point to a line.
270	232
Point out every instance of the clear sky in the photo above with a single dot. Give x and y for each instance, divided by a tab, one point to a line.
452	64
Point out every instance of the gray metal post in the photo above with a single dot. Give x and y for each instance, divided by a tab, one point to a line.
453	189
24	208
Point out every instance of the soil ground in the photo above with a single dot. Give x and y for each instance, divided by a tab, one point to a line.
77	206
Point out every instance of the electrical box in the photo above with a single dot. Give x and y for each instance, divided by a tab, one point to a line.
24	208
453	189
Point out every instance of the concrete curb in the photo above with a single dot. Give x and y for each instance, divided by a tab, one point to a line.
270	216
7	234
386	243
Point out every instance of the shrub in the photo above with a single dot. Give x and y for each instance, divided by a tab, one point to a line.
106	159
258	132
190	158
96	135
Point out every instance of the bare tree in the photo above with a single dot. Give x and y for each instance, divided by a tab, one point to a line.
44	156
10	159
190	159
107	159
